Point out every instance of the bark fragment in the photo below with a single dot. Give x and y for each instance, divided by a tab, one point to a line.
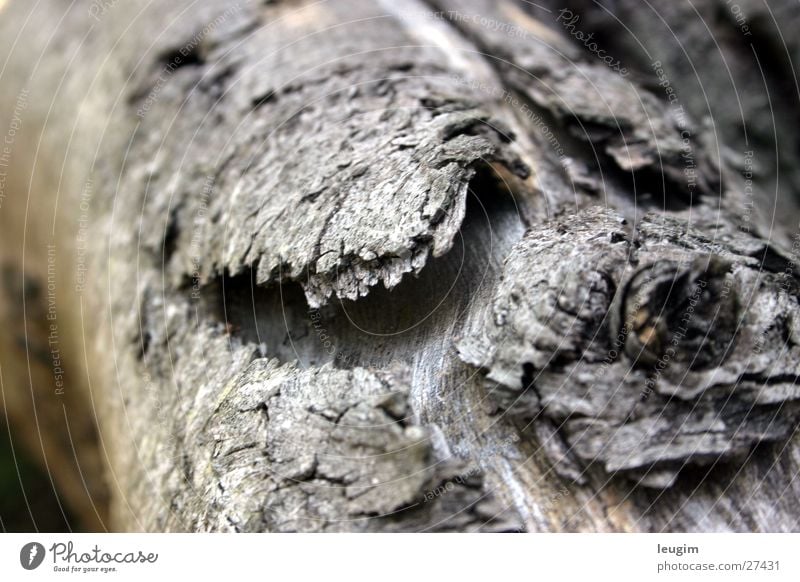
649	352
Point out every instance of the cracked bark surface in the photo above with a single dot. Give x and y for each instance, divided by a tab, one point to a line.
369	266
648	357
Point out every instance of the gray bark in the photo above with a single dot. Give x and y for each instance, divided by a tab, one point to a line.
377	266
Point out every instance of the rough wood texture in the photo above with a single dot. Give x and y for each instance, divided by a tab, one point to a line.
675	351
378	266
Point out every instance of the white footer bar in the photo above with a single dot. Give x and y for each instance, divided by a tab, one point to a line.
387	557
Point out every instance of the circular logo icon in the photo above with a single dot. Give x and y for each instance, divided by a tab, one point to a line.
31	555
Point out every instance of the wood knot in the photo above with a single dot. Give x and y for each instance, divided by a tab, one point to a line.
675	311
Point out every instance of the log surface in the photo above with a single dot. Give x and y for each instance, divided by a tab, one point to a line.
377	266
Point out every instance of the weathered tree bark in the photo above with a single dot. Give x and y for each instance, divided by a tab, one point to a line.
377	266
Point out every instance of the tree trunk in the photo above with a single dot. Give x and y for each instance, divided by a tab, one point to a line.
375	266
